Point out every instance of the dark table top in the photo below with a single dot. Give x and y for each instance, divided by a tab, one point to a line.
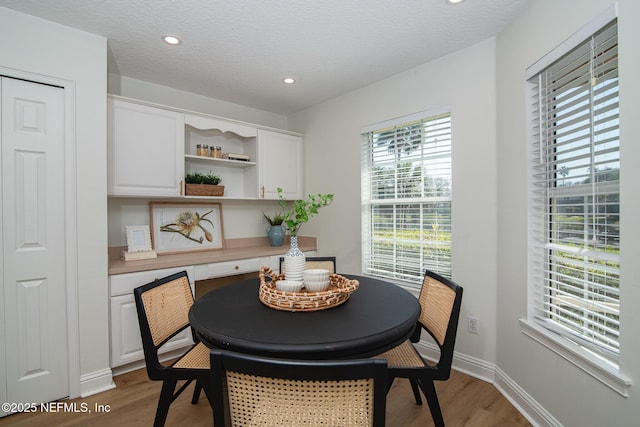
377	316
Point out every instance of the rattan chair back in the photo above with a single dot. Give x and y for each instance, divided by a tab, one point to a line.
252	390
166	307
323	262
440	301
163	311
436	302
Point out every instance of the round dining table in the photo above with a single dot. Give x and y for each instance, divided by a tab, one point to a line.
377	316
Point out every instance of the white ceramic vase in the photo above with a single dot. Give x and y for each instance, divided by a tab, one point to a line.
294	261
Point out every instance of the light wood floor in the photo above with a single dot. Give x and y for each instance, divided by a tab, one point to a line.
465	401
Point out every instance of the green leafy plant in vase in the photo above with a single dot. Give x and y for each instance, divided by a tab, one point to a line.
299	213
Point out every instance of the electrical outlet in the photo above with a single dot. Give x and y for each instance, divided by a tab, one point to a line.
473	325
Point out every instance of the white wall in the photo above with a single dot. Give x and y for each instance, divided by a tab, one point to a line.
567	395
40	47
465	81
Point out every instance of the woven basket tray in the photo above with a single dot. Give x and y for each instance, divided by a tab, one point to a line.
340	288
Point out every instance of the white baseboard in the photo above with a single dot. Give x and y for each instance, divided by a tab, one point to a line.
472	366
535	413
96	382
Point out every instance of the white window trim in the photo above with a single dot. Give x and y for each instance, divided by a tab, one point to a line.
598	367
582	34
400	121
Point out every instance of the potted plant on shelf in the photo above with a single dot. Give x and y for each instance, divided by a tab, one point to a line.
199	184
299	213
275	230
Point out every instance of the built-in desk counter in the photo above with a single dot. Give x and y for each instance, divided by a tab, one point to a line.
240	256
235	249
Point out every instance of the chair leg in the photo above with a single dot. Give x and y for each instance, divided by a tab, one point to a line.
429	390
166	397
416	390
196	393
389	383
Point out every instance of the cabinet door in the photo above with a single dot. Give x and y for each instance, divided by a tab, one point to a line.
280	164
145	150
126	344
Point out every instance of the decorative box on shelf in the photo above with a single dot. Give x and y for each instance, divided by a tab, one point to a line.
136	256
204	190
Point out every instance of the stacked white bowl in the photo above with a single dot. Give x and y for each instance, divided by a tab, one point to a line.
289	285
293	267
316	280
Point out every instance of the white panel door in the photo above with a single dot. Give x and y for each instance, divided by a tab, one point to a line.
33	250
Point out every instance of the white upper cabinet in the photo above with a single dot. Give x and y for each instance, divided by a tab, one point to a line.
280	164
150	149
145	150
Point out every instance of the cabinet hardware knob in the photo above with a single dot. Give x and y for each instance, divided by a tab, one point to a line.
237	267
262	191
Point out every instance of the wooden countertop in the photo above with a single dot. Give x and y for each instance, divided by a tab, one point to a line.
252	247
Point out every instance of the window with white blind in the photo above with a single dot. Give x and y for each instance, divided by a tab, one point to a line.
574	215
406	197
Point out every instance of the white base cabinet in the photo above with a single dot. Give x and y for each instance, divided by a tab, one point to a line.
126	343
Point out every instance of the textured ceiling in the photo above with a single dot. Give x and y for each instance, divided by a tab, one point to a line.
239	50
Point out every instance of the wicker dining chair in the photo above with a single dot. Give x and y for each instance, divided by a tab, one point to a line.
254	390
323	262
163	307
440	299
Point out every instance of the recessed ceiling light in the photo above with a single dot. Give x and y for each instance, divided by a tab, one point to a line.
172	40
454	1
288	80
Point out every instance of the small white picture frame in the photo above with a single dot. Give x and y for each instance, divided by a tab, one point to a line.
138	238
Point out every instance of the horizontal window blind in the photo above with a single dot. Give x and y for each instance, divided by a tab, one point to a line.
574	222
406	198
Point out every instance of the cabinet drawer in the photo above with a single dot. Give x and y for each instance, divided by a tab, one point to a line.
228	268
123	284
